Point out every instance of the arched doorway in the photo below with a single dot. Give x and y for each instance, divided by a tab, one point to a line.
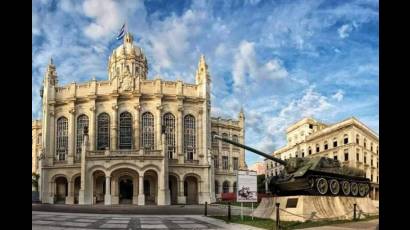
77	187
61	190
173	188
99	187
126	189
150	187
191	190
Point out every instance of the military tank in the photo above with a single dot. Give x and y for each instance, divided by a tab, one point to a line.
321	176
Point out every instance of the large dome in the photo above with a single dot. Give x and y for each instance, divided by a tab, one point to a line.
128	57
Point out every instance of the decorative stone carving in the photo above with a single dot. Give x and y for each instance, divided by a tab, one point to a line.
126	81
114	106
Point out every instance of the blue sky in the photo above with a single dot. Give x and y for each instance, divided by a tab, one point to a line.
280	60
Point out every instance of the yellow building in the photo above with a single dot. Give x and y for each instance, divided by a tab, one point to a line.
350	141
149	141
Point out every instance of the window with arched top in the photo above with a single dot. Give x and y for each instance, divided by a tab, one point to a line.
82	121
317	148
62	138
169	123
103	131
345	139
125	131
225	145
225	187
309	150
371	146
189	136
147	128
357	139
334	142
325	145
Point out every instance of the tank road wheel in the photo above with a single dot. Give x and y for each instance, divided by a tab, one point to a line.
345	188
367	189
334	186
354	188
322	186
362	190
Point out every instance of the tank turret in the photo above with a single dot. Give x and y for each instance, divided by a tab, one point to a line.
313	176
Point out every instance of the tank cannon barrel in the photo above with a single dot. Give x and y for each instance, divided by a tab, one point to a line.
282	162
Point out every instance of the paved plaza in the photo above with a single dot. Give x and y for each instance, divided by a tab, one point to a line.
70	221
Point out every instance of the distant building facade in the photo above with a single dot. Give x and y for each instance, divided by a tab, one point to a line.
350	141
259	167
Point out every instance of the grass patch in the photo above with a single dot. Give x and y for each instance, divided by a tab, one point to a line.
270	224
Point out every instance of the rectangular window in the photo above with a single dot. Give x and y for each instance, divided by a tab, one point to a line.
346	156
357	157
310	151
334	143
335	157
364	158
371	177
235	163
225	162
310	126
317	149
325	146
346	140
216	162
303	154
371	161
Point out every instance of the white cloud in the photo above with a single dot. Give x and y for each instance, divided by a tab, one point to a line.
345	30
107	18
338	96
246	69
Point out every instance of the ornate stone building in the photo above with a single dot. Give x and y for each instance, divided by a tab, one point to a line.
349	141
148	141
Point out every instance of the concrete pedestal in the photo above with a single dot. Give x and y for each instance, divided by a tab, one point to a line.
304	208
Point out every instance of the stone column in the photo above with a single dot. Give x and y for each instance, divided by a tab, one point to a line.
70	194
141	197
83	189
163	186
114	129
135	181
180	136
92	124
107	195
181	196
137	127
71	137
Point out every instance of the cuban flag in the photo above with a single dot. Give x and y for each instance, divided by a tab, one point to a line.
121	33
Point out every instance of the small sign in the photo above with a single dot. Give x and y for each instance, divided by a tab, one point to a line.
292	203
247	187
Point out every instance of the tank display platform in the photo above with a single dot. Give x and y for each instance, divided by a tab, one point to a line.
304	208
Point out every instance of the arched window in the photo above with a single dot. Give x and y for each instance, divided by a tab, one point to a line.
147	131
325	145
62	138
82	121
125	131
310	150
103	131
371	146
334	142
234	187
214	141
216	187
224	144
189	136
317	148
225	187
357	138
235	138
169	122
345	139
